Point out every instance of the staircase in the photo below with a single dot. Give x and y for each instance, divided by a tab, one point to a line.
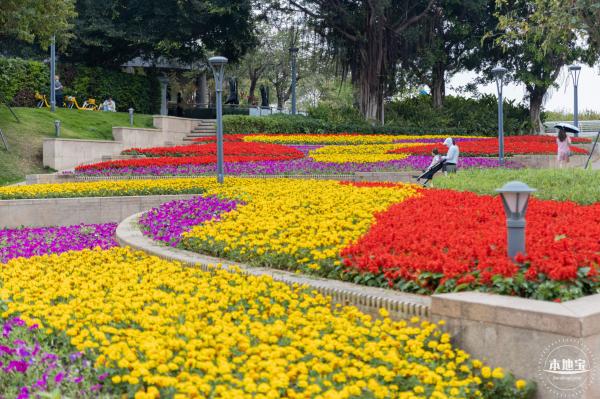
204	128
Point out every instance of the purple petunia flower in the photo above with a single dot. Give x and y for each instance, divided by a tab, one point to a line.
24	393
59	377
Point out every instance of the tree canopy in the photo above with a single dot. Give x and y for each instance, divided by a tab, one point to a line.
113	31
36	20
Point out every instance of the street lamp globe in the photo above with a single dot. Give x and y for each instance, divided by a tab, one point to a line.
515	197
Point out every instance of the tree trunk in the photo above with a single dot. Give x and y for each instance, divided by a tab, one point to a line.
536	99
438	85
371	70
252	89
280	95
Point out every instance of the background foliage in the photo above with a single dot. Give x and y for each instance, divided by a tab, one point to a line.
20	79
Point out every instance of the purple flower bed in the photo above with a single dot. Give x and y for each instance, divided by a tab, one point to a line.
32	241
28	369
433	141
303	166
170	220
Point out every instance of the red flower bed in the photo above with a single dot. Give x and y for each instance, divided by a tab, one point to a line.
226	138
513	145
230	148
446	240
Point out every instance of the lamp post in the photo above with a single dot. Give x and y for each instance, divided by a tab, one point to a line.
130	116
294	54
499	73
515	197
217	64
52	73
575	71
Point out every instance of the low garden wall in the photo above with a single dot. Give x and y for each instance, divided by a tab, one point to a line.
358	176
527	336
63	154
70	211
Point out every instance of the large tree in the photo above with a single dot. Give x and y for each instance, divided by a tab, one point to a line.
35	20
524	50
443	44
366	36
113	31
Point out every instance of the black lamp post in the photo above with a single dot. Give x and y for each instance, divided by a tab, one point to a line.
294	54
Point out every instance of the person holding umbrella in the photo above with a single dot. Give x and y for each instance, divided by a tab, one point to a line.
563	141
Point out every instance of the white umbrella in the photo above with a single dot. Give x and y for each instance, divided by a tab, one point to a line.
567	127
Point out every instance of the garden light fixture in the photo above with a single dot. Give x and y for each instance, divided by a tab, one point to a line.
217	64
515	197
499	73
575	71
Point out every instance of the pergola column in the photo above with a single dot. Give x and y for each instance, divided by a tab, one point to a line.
164	81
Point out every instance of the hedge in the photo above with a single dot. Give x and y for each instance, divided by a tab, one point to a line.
479	115
20	79
306	124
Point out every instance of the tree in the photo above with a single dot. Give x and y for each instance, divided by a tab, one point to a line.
113	31
525	52
36	20
443	44
365	35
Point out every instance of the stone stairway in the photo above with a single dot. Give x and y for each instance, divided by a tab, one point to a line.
204	128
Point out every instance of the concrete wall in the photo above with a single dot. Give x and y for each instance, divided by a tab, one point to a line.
520	334
69	211
61	154
174	124
64	154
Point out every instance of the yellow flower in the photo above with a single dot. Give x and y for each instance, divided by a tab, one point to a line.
486	372
498	373
520	384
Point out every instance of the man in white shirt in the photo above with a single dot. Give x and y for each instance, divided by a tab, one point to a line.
109	105
451	157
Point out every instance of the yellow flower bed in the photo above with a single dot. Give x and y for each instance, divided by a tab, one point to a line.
163	330
339	138
359	153
292	224
105	188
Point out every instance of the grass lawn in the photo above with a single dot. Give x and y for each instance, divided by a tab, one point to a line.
25	138
579	185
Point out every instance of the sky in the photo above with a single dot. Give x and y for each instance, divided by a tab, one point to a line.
560	99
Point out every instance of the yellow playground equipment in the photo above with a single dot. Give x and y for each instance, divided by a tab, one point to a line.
88	105
41	100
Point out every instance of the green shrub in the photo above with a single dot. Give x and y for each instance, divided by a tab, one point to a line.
471	115
140	92
336	114
20	79
17	75
576	185
307	124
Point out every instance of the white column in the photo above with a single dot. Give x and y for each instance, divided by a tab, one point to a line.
164	81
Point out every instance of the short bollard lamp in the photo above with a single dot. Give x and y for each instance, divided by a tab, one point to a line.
515	197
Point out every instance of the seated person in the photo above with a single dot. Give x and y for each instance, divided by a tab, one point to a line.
109	105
